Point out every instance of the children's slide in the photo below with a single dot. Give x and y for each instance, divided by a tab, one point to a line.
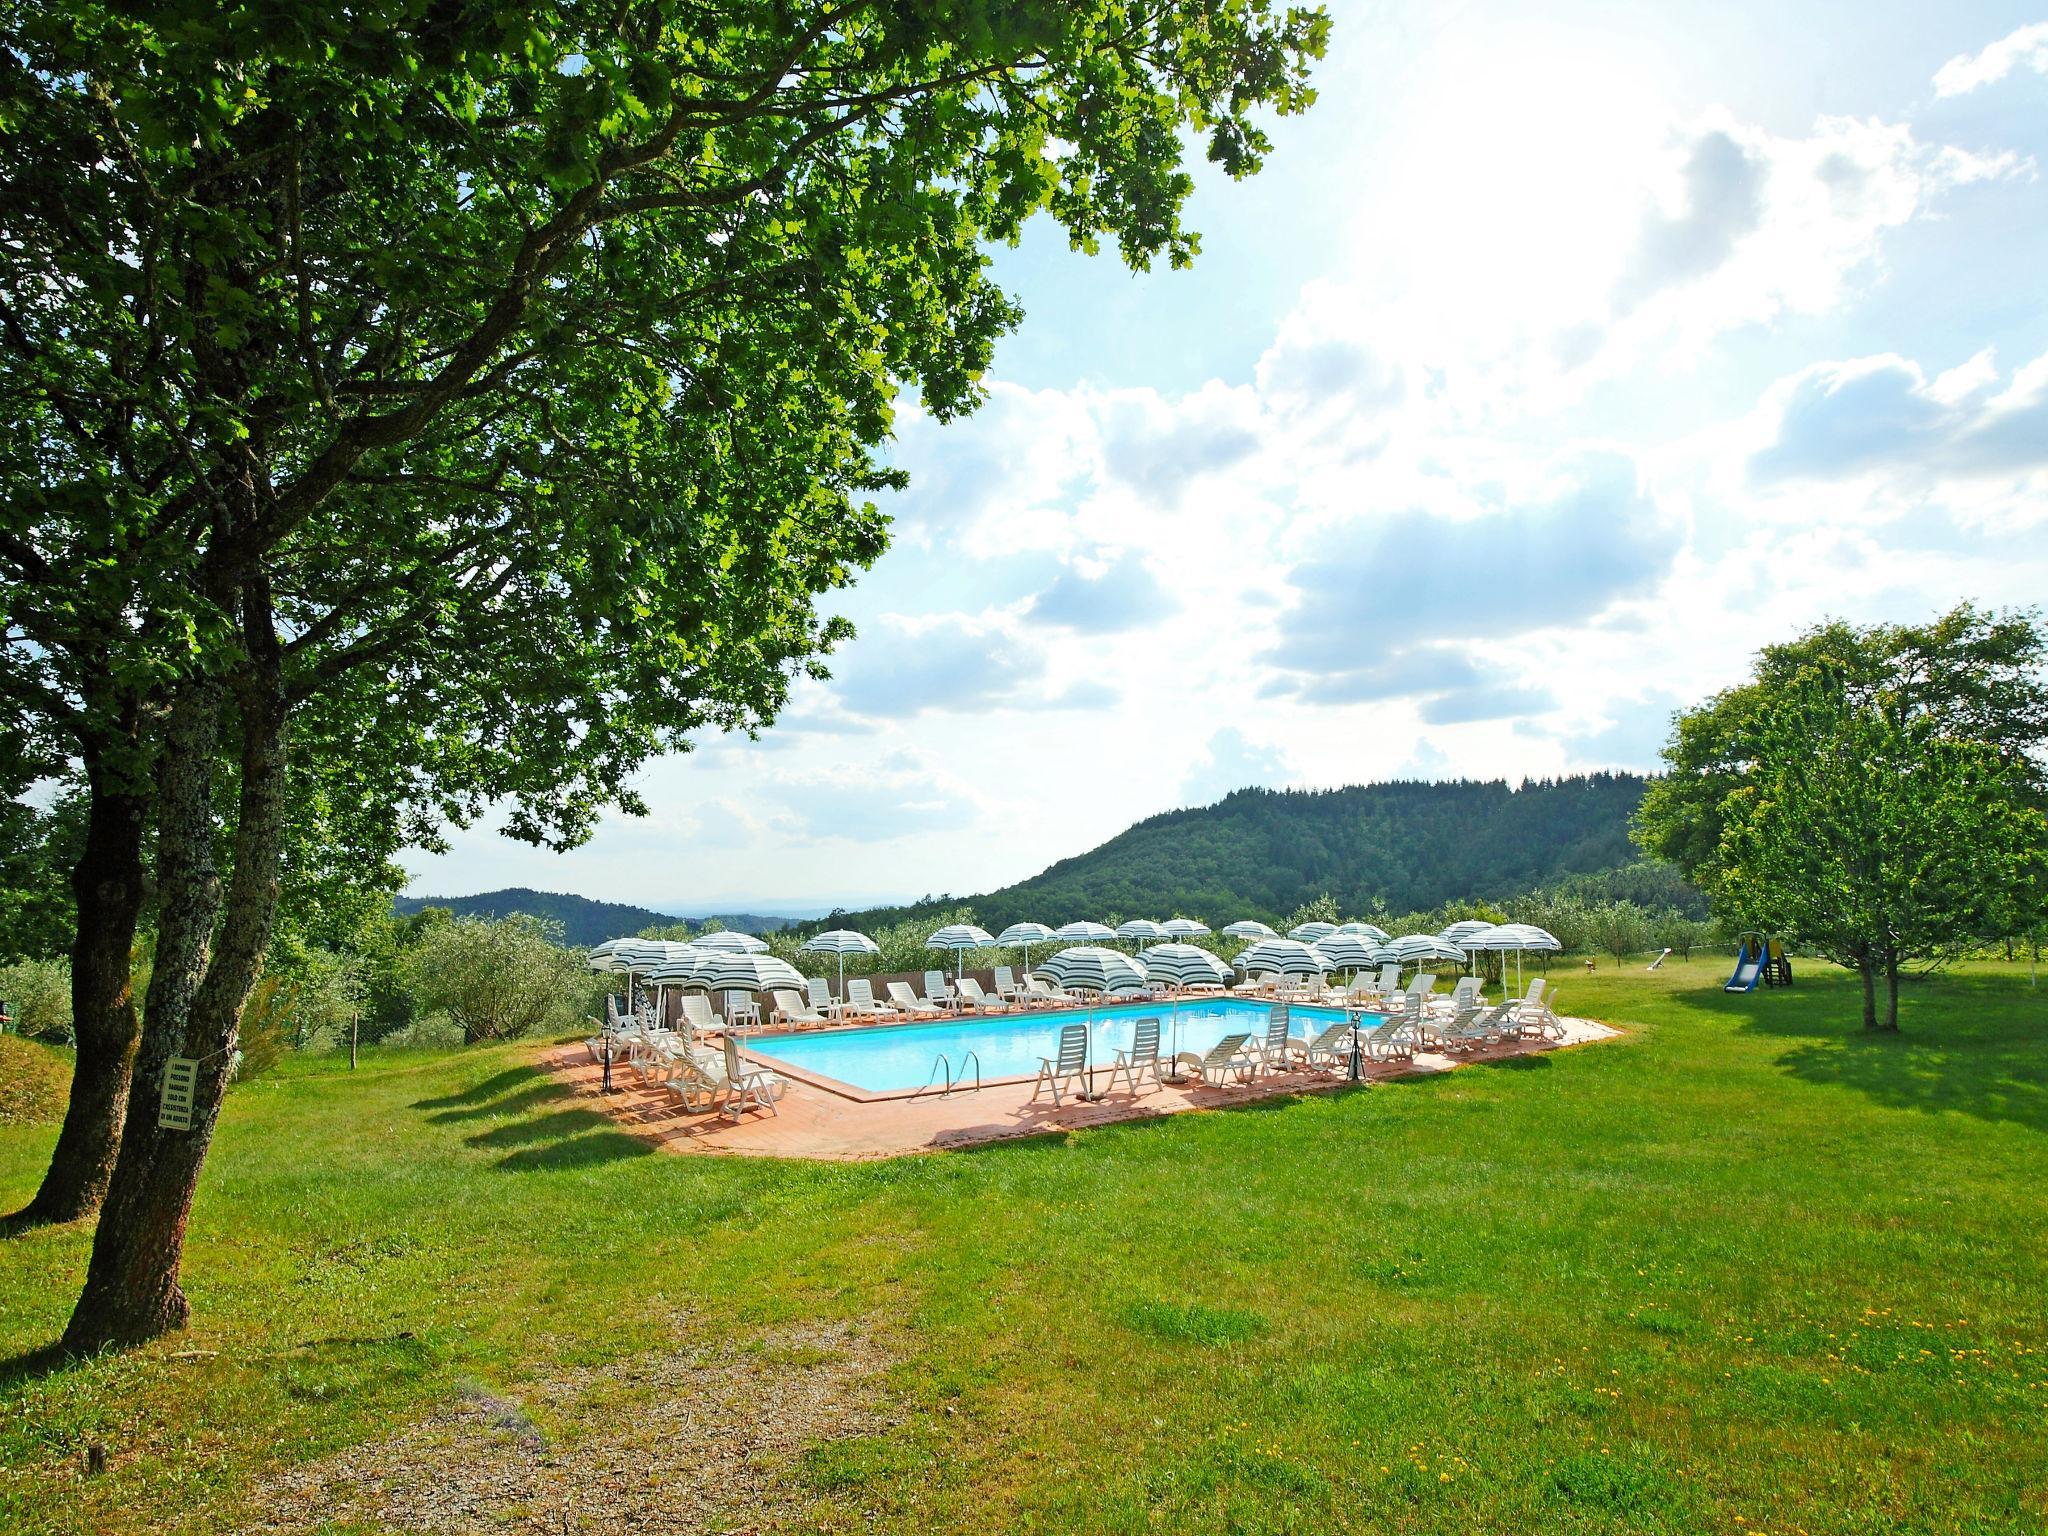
1749	965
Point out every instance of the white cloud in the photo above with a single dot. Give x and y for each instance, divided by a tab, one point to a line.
1879	427
1232	761
2026	48
904	792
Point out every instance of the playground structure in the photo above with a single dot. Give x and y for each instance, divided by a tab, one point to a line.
1759	957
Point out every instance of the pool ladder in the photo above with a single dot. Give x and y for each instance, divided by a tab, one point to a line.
942	1073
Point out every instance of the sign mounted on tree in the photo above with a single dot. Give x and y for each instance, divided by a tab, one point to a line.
181	1081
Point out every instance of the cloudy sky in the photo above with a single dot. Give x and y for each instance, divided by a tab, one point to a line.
1555	362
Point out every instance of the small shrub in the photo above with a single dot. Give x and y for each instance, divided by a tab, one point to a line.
39	993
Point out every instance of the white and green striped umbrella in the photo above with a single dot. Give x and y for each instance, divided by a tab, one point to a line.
743	943
959	937
1350	951
1183	965
1023	936
1249	928
1366	930
1416	948
841	942
1142	930
1308	933
1184	928
1282	957
734	971
1516	939
1083	932
1459	932
1107	971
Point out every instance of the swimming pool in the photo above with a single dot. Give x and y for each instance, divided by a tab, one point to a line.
896	1058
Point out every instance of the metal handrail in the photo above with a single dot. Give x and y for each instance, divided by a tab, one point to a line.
942	1070
975	1057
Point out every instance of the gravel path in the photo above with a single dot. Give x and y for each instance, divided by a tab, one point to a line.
692	1440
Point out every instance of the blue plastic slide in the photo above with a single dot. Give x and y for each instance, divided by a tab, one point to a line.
1749	964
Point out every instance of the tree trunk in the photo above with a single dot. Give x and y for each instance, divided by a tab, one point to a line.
195	1001
108	884
1867	969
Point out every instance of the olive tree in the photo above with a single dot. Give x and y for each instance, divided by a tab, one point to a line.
495	980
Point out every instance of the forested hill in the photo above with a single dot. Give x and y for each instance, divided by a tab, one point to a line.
1395	847
583	921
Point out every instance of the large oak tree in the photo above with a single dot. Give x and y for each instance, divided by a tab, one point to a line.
475	399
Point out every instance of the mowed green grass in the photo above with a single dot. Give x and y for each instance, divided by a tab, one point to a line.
1745	1269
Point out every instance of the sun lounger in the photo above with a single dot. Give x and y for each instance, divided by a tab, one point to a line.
1331	1048
791	1009
697	1014
903	1000
1067	1066
1273	1048
1141	1057
696	1080
971	996
1230	1056
746	1085
1053	993
937	991
1006	985
1458	999
861	1000
1397	1035
1536	1014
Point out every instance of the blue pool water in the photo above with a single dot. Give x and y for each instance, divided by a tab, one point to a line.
893	1057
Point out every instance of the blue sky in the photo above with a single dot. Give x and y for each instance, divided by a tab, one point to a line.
1558	359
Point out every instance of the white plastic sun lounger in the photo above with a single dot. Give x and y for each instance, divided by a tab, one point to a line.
1230	1056
937	991
791	1009
971	996
748	1086
861	1000
906	1001
1067	1066
1273	1048
1331	1048
1006	985
1141	1057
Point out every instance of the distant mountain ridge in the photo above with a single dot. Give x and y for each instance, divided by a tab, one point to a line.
1398	847
583	921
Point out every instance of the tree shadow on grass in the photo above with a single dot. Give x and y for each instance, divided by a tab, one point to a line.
582	1151
1965	1044
33	1365
489	1088
547	1092
557	1126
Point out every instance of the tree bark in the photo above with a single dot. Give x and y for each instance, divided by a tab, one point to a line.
195	1003
109	885
1867	968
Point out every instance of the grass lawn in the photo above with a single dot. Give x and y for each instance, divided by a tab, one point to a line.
1744	1270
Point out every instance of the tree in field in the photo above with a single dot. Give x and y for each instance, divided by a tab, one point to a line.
465	403
496	980
1869	834
1977	676
1620	928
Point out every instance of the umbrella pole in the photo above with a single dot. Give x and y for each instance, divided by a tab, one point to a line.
1091	1095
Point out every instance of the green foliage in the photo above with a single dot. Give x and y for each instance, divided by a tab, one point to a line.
496	980
1972	675
1872	836
1620	928
38	992
37	850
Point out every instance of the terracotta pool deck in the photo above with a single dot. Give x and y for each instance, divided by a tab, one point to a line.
816	1123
